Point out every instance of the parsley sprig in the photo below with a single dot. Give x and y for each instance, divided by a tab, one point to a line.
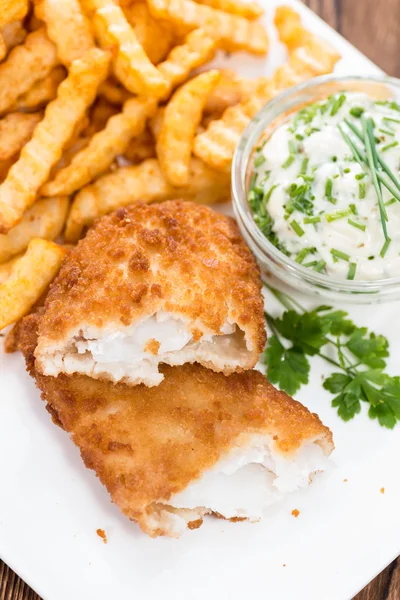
358	355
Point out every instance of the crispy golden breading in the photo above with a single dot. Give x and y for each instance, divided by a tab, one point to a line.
177	257
147	444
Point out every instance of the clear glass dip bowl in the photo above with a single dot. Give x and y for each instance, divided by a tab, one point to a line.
271	260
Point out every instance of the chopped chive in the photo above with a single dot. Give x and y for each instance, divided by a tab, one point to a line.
391	120
353	209
328	187
347	170
385	247
334	158
253	180
331	200
392	145
309	220
259	160
339	254
304	165
292	147
319	266
269	193
352	270
338	103
361	190
358	225
355	151
301	255
311	264
339	214
360	176
373	165
288	162
387	132
391	201
357	111
299	137
297	228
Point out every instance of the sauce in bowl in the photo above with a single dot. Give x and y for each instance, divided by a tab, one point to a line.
325	187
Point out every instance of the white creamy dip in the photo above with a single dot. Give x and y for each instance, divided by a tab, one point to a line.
313	193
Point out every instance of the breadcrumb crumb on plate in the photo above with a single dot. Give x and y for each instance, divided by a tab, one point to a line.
169	283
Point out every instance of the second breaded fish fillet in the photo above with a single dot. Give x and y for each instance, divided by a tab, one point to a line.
199	443
167	283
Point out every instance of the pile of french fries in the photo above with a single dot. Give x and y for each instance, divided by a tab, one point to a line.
102	106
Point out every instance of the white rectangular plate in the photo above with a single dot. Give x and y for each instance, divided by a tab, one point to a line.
51	506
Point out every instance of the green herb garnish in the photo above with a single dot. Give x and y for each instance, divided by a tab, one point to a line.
358	225
297	228
352	271
339	254
358	355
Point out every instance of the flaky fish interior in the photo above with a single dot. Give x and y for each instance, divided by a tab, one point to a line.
199	443
171	283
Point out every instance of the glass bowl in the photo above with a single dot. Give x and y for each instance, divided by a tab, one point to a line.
271	260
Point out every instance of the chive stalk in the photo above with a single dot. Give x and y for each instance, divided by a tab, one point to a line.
339	254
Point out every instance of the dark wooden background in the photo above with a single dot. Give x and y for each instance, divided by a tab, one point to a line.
374	27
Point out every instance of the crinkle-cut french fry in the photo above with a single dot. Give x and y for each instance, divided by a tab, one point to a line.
197	49
131	64
11	10
155	123
103	147
32	169
230	90
182	116
24	66
30	277
67	27
70	151
248	10
100	113
5	166
142	183
233	32
290	29
156	38
45	220
141	148
13	34
114	92
217	144
15	130
41	92
7	267
3	47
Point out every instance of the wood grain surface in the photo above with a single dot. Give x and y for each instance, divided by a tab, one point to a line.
373	26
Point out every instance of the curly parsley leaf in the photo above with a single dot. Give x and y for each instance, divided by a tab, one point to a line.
306	331
288	368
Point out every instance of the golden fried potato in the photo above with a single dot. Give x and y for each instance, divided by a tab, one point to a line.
232	31
248	10
142	183
3	47
131	64
182	116
25	177
67	27
24	66
42	91
45	219
103	147
114	92
100	113
15	130
230	90
156	38
7	267
156	121
13	34
290	29
11	10
141	148
29	278
217	144
197	49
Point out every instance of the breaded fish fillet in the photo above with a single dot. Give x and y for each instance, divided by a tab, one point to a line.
168	283
199	443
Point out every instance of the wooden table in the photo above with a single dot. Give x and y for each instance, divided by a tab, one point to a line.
373	26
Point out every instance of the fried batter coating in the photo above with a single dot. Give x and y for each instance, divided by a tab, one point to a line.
147	445
176	270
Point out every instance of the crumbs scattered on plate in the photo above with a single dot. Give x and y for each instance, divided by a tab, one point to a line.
295	512
382	490
101	533
345	480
